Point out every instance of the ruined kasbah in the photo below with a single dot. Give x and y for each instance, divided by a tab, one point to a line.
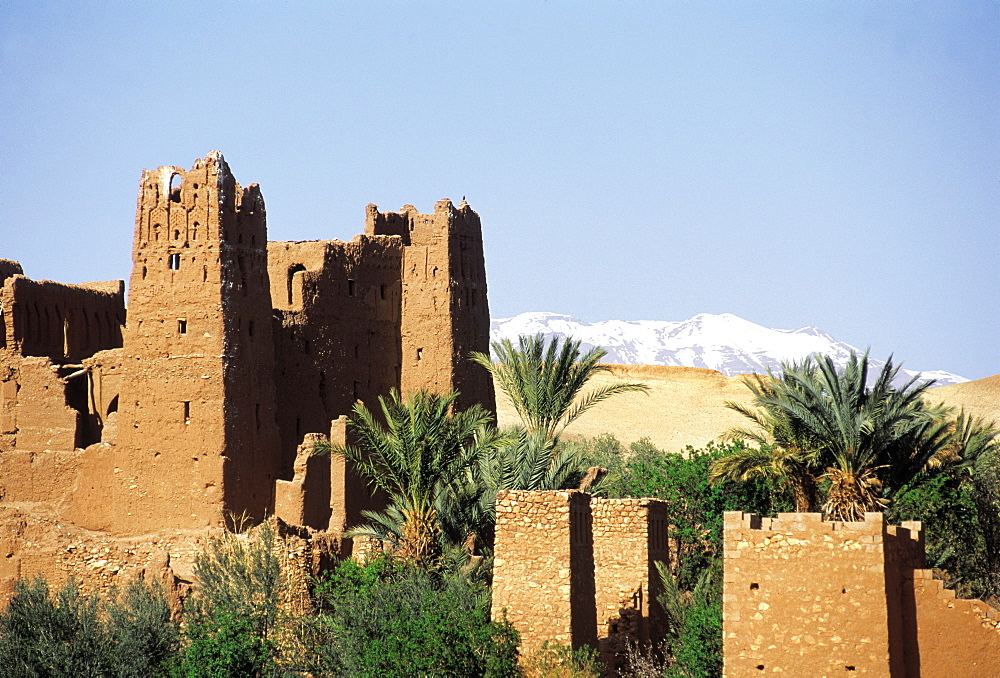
127	440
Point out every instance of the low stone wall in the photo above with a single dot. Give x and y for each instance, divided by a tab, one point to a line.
805	597
579	570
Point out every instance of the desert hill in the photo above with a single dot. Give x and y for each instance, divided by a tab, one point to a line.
686	405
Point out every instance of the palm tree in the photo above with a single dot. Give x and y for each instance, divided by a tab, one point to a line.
828	424
545	382
786	450
519	461
419	457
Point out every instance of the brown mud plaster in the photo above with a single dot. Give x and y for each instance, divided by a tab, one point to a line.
237	353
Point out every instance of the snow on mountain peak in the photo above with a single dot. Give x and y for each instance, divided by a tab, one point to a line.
723	342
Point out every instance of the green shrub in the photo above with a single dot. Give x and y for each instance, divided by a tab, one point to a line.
66	635
233	618
961	530
226	645
143	637
386	618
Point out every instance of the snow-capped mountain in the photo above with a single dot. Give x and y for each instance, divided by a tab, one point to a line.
725	342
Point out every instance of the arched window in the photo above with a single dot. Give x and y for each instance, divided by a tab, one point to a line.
175	187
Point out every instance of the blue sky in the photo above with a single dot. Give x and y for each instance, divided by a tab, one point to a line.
795	163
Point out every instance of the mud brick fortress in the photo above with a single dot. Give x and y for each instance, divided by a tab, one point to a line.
194	407
126	439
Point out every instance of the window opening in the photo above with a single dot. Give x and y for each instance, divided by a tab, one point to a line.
182	326
175	187
187	411
174	261
194	231
292	270
250	328
381	291
350	288
420	354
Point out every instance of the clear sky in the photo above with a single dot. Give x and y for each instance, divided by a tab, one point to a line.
795	163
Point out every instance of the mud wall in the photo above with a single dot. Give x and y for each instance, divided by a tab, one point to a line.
196	411
954	637
445	313
338	337
804	597
63	322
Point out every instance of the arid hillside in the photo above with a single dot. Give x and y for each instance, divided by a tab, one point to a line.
686	405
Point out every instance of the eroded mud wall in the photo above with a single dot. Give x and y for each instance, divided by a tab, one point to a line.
445	313
197	434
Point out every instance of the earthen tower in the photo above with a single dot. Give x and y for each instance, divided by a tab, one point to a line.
236	350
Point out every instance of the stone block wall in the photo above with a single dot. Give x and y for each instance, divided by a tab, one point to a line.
805	597
579	570
630	535
542	540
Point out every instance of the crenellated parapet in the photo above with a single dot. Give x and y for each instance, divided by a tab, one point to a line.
804	596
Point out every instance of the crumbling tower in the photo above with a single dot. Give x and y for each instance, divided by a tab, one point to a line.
197	425
445	315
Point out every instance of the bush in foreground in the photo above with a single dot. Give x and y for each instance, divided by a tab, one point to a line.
66	634
387	618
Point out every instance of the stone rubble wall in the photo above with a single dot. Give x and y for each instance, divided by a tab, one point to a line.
805	597
579	570
532	568
630	536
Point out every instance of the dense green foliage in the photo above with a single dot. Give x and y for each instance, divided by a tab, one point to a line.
390	618
68	634
681	480
233	619
857	438
692	599
959	505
